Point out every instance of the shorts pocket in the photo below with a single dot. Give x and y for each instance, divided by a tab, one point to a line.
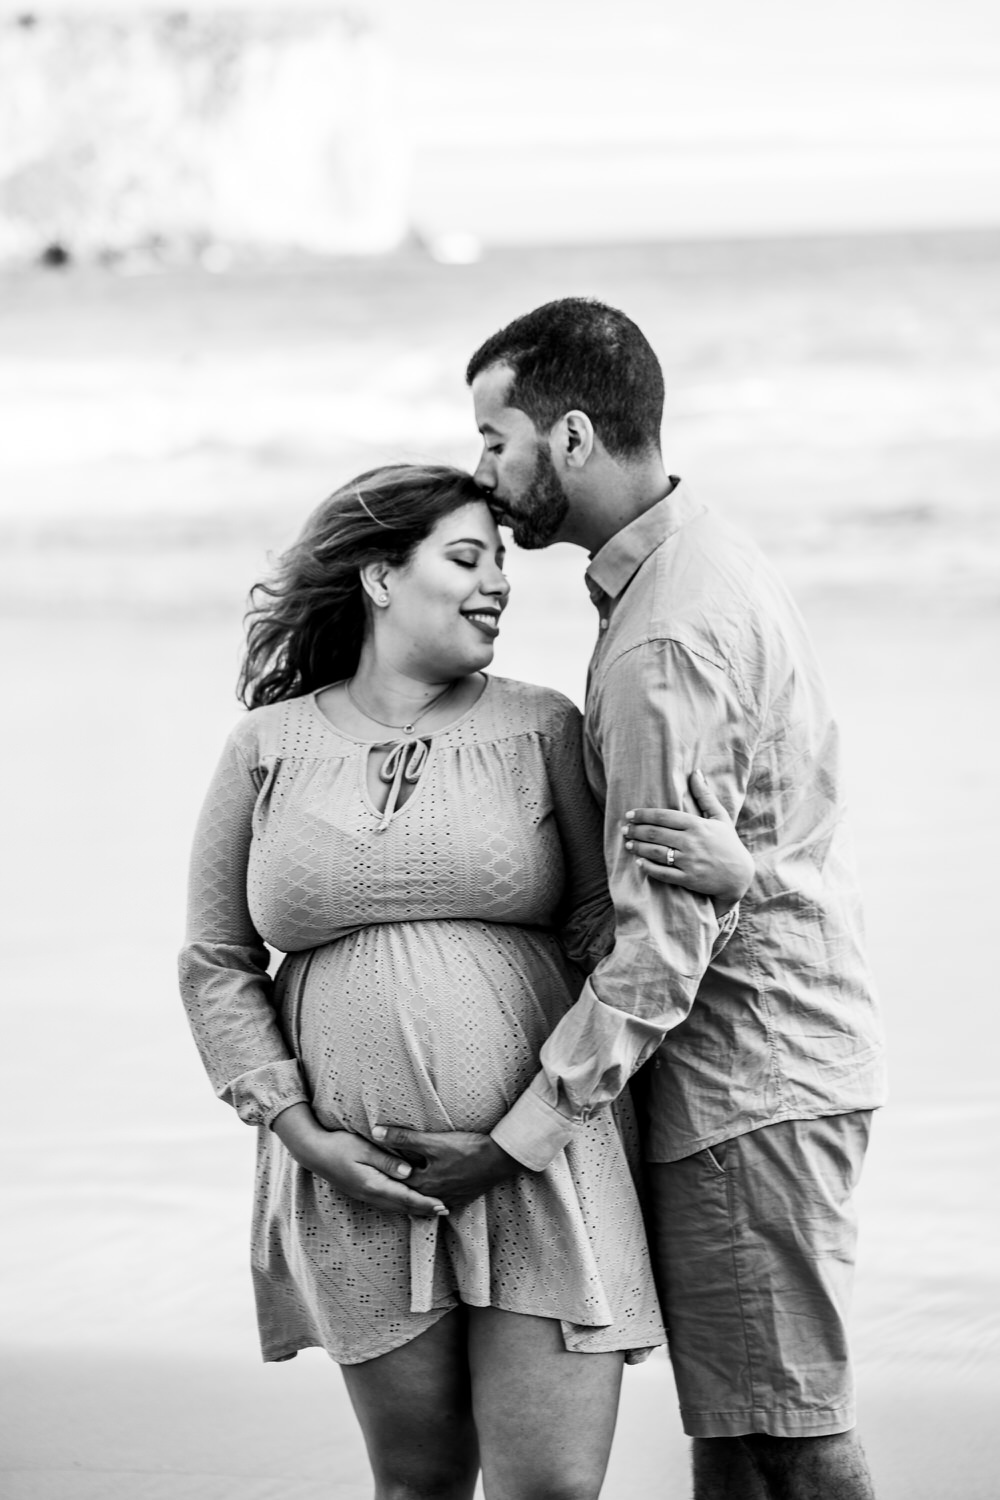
717	1156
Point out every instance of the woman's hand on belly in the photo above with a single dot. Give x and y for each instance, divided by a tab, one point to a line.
352	1165
458	1164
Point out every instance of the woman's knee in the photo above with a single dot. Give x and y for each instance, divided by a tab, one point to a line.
447	1479
437	1459
415	1409
565	1488
556	1487
546	1415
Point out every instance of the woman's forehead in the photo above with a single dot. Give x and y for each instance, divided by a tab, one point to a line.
473	522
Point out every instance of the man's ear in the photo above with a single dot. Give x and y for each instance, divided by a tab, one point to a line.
575	438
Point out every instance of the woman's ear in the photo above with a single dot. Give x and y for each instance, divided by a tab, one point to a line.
374	582
575	437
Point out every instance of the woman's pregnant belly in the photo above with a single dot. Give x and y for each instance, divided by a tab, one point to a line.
433	1025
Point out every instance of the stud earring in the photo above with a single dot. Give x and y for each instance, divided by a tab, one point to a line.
382	599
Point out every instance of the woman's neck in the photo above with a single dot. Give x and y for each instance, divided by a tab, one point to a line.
392	694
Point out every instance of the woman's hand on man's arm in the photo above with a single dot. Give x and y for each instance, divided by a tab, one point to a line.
700	851
352	1165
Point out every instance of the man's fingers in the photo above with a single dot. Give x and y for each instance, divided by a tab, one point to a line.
409	1143
706	799
397	1136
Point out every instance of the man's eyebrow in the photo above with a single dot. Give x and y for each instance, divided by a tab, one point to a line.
488	427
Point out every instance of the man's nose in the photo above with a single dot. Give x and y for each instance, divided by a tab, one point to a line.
484	475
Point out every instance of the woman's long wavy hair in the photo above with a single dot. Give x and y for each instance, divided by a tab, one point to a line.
305	625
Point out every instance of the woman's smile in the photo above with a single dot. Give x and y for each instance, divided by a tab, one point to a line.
486	620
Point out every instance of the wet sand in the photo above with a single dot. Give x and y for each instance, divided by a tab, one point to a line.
130	1362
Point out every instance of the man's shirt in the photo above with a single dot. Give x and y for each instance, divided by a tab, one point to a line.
702	662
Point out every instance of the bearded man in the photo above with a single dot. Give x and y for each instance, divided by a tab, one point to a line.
766	1055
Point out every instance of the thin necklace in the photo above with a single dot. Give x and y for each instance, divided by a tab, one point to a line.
406	728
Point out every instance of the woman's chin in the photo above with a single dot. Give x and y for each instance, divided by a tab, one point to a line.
475	661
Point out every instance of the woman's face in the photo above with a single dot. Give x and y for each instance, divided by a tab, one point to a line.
445	604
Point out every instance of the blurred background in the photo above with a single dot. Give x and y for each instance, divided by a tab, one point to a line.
246	252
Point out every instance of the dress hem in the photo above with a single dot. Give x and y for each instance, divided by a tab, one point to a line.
635	1353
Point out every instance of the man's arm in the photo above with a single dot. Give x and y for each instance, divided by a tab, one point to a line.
663	711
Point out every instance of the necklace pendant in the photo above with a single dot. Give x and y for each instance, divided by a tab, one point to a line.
400	728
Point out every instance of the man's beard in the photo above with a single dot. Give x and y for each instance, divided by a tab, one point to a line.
542	508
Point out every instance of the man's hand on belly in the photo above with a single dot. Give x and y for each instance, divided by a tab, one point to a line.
456	1165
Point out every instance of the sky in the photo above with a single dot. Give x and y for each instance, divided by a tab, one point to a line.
578	120
648	118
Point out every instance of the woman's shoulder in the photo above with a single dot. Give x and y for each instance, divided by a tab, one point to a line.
276	729
526	706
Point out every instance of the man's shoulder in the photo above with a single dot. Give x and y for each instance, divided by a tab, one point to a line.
710	581
712	551
708	589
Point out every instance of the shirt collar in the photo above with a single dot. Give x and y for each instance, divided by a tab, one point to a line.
614	567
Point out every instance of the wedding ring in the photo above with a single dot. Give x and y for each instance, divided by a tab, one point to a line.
670	855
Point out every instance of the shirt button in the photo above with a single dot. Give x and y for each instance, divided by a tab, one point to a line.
604	624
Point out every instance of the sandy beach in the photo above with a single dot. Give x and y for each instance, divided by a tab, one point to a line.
841	399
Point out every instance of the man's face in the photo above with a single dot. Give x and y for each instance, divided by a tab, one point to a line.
516	467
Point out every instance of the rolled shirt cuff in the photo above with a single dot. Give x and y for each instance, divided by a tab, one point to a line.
532	1132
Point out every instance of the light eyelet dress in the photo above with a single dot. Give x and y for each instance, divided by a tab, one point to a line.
428	957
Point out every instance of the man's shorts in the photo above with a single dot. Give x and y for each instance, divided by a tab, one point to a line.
753	1244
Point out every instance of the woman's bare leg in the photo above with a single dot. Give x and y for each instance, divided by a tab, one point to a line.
415	1409
545	1417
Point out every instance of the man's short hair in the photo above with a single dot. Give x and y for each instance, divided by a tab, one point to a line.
578	354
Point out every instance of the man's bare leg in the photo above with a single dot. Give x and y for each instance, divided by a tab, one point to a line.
806	1468
724	1470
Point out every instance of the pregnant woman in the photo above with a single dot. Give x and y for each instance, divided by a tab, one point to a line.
420	842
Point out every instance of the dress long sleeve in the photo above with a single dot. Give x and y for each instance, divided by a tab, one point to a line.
225	985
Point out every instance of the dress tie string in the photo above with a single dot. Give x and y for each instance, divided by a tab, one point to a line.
405	762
